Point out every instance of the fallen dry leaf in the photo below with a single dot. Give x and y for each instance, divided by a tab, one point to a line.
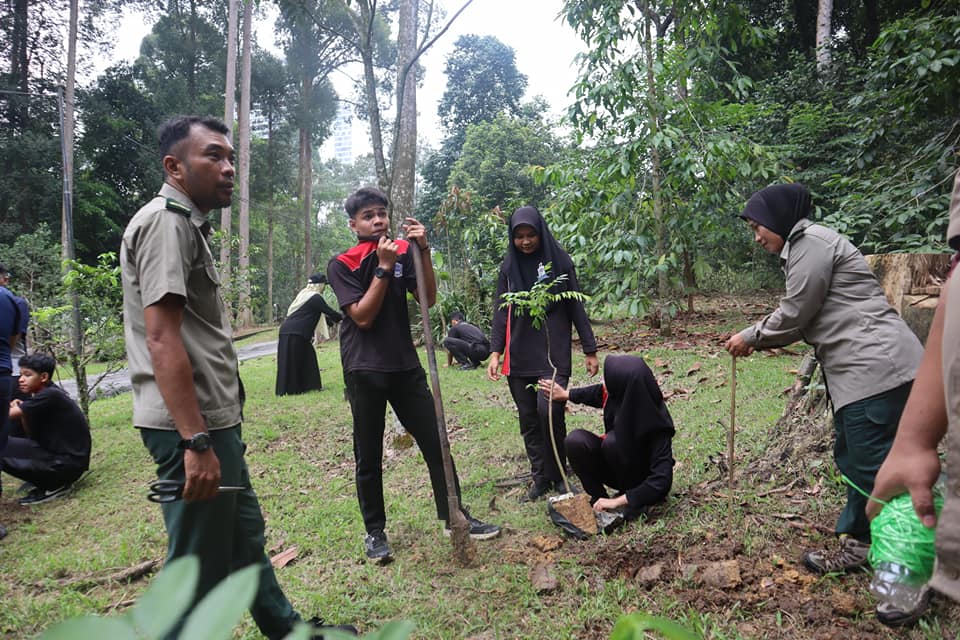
284	558
694	368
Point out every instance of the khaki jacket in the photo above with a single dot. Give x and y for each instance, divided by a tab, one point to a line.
834	302
946	575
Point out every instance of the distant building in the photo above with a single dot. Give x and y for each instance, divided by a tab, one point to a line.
343	134
259	125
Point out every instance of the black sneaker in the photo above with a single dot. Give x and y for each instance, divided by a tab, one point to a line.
538	490
375	544
39	496
318	628
469	366
479	530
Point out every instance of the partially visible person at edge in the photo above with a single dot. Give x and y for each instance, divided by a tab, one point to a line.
465	343
18	345
868	354
913	464
297	369
187	394
380	362
534	256
9	323
49	443
634	454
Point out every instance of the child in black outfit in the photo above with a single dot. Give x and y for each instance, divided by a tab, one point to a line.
380	363
524	348
50	445
634	455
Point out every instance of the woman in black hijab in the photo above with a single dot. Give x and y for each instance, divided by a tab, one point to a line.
297	369
868	354
534	256
634	455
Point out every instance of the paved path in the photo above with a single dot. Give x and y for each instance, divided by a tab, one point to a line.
119	381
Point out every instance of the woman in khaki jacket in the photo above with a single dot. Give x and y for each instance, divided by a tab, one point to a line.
868	354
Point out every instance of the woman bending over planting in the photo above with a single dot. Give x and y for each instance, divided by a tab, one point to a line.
634	455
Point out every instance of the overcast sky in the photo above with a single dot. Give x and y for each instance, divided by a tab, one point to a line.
544	45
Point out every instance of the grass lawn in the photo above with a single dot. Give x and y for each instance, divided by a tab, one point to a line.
725	574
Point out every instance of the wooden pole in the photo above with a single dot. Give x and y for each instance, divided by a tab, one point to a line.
733	428
464	549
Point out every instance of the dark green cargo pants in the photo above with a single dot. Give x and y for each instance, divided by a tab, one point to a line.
864	433
226	533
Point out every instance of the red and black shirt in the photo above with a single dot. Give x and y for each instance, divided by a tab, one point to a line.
386	346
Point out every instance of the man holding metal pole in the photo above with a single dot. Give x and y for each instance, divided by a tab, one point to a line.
380	362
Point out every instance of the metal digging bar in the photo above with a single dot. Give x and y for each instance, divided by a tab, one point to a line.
464	549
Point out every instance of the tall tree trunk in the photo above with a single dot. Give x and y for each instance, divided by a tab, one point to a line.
271	317
66	243
19	63
653	110
243	261
306	196
229	107
824	15
192	60
404	153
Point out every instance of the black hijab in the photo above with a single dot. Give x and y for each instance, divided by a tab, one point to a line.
521	268
634	406
778	207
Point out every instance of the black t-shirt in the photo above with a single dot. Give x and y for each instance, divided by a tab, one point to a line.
303	321
470	334
386	346
58	425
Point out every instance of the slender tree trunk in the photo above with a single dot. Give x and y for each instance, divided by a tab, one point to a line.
653	110
243	262
306	195
192	59
404	153
229	107
19	63
270	216
66	252
824	15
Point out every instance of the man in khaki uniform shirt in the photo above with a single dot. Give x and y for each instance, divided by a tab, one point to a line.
934	405
187	396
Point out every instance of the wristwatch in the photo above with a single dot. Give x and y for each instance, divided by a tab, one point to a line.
200	442
381	273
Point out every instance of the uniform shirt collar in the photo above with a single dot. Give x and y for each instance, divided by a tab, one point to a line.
196	216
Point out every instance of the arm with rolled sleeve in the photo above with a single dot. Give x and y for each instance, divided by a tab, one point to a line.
809	273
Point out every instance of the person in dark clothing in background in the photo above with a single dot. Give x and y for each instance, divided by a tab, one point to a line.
50	442
297	370
9	321
634	455
534	256
466	343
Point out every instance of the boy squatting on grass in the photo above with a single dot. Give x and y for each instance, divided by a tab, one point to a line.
380	363
50	444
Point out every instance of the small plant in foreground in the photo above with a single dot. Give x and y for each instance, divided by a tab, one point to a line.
161	606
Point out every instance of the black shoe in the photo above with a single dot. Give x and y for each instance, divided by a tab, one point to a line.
559	487
469	366
3	532
317	628
893	616
39	496
538	490
376	547
479	530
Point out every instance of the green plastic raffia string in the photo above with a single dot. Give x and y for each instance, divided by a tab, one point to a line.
899	536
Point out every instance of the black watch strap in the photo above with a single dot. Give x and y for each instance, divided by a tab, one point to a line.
199	442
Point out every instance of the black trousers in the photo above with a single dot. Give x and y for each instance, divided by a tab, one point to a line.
532	410
25	459
465	352
408	394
